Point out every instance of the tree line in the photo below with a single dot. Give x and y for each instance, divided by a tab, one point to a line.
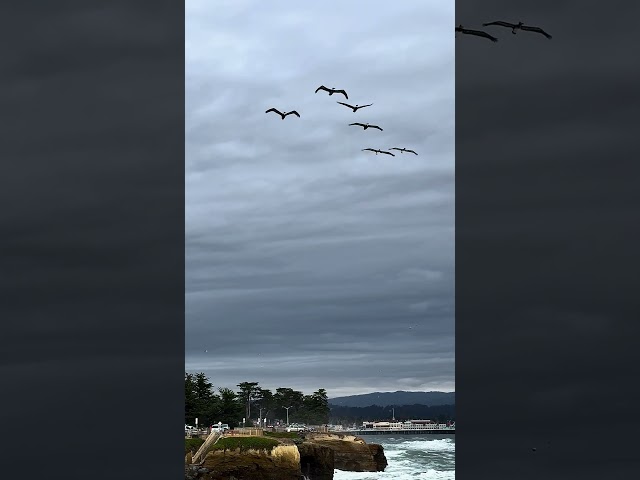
212	405
348	415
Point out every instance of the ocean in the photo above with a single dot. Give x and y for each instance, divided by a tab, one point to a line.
414	457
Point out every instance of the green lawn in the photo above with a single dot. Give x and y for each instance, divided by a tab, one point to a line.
245	443
192	444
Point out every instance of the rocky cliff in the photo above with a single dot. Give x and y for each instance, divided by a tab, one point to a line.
314	457
378	456
316	461
350	453
282	463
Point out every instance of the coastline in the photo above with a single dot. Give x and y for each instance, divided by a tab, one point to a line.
398	432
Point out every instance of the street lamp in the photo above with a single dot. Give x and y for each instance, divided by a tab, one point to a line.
287	408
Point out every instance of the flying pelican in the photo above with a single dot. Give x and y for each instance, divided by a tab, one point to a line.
354	108
332	91
518	26
478	33
283	114
378	151
402	150
366	125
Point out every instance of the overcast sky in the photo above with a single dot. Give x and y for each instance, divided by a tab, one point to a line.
546	187
309	263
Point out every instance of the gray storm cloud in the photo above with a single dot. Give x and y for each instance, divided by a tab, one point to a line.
310	263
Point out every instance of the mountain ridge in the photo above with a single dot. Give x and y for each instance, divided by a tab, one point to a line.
399	397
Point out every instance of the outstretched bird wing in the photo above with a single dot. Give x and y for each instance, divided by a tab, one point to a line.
357	123
370	149
407	150
274	110
502	24
480	33
346	104
387	153
322	87
362	106
535	29
342	92
292	112
395	148
375	126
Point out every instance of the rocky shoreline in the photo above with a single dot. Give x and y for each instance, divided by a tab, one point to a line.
313	456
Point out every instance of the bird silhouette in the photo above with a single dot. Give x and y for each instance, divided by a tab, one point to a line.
283	114
366	125
518	26
357	107
402	150
478	33
378	151
332	91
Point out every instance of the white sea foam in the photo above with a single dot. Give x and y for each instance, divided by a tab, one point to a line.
411	458
404	474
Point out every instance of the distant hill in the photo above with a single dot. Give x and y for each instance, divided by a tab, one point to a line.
395	398
350	415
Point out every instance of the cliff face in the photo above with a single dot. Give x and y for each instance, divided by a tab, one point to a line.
282	463
378	456
316	457
316	461
350	453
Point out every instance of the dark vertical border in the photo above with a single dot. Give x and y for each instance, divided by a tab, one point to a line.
92	242
547	202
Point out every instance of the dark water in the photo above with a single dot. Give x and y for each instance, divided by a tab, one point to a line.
413	457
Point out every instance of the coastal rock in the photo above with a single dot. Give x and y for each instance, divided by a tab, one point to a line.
316	461
351	453
282	463
378	456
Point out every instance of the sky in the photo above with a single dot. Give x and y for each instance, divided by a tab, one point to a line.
546	187
309	263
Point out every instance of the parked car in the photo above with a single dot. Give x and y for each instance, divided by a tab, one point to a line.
217	427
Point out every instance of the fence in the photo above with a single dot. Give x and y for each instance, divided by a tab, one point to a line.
246	432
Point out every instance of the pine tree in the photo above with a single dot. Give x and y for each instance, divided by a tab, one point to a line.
248	391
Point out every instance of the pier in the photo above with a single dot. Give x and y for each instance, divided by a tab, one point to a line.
400	431
410	427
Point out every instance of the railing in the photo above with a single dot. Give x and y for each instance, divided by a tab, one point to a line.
211	439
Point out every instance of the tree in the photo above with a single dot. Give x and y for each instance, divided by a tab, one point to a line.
265	401
203	390
288	397
248	391
316	408
229	407
203	386
190	399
